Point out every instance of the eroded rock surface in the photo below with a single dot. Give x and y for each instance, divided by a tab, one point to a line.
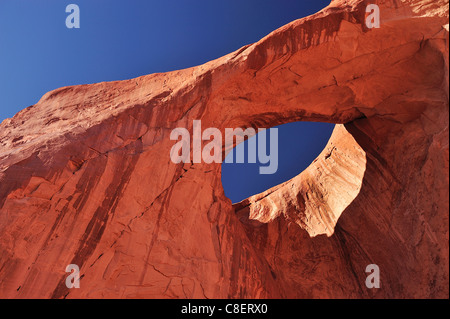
86	177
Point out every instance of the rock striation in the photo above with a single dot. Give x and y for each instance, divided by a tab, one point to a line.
86	177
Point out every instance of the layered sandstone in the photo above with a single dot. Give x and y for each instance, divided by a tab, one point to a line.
86	176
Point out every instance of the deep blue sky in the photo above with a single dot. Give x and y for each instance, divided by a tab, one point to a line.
125	39
299	143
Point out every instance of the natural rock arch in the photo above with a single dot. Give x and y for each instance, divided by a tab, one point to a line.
100	191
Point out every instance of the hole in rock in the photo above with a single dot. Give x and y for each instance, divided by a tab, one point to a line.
299	144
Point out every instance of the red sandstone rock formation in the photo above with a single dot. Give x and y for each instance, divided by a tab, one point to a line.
86	176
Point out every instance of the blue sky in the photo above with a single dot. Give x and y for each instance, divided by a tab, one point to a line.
299	143
125	39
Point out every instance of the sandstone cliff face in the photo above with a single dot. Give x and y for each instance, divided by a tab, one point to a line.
86	177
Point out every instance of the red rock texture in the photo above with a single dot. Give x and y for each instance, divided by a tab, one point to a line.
86	177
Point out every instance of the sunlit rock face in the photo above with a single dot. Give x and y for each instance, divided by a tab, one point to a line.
86	177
